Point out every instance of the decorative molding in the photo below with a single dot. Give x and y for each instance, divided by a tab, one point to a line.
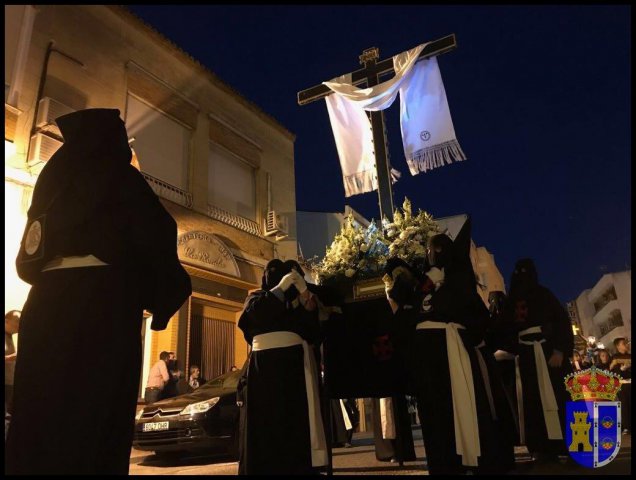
234	220
217	277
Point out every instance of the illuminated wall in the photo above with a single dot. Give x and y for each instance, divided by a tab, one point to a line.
16	198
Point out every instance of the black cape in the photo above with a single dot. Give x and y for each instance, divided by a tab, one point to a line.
79	362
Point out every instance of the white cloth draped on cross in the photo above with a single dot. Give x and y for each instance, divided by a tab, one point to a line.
428	135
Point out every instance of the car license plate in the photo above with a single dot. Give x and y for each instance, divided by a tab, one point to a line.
156	426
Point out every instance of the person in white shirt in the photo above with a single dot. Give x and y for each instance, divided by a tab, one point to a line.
157	379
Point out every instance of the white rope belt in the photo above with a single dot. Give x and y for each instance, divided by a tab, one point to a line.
271	340
519	388
548	400
486	378
345	416
463	389
387	418
73	262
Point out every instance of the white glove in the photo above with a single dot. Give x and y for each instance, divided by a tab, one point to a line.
299	281
436	275
388	285
287	281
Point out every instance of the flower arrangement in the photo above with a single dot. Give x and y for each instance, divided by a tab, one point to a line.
408	234
355	252
358	253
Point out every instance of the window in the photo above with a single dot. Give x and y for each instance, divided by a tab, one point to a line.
231	183
161	144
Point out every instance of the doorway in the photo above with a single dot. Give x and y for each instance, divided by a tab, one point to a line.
212	338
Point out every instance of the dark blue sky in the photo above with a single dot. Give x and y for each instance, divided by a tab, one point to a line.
540	98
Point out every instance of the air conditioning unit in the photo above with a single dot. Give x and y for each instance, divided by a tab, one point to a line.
48	110
42	148
275	225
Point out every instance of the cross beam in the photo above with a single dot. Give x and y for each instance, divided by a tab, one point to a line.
385	67
370	74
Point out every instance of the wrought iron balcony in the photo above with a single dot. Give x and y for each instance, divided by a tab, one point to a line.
234	220
169	192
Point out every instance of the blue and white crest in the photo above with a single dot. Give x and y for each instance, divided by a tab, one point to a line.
593	432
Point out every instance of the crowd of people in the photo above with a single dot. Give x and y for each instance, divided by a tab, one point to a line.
472	412
87	250
165	379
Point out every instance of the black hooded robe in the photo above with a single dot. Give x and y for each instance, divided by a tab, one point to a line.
541	308
456	301
431	380
77	372
276	436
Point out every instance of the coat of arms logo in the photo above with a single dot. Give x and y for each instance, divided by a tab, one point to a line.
593	417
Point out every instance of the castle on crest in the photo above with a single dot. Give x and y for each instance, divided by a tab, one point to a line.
580	433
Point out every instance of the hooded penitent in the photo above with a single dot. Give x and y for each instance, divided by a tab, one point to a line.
75	184
107	252
524	278
274	272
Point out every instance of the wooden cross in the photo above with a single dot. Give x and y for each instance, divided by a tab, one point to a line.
370	75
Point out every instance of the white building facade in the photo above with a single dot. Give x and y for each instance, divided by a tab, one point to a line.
605	310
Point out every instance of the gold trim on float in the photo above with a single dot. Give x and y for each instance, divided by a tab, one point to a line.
368	289
217	277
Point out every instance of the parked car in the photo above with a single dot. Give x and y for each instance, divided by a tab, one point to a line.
206	420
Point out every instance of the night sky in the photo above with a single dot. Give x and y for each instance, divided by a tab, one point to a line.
540	100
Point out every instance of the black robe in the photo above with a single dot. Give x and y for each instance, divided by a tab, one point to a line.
543	309
78	368
455	301
276	436
339	432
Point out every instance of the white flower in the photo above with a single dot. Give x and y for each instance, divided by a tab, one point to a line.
364	247
350	272
390	233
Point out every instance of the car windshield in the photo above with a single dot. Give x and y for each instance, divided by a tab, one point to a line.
227	380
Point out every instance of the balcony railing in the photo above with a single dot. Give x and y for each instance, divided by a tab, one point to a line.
615	320
169	192
606	298
234	220
606	312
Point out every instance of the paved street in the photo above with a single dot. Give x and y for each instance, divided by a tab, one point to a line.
360	460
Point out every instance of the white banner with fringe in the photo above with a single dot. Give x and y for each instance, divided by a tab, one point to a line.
428	134
427	130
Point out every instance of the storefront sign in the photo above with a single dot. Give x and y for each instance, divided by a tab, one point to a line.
206	251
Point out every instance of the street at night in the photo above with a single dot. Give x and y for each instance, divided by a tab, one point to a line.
360	460
236	235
